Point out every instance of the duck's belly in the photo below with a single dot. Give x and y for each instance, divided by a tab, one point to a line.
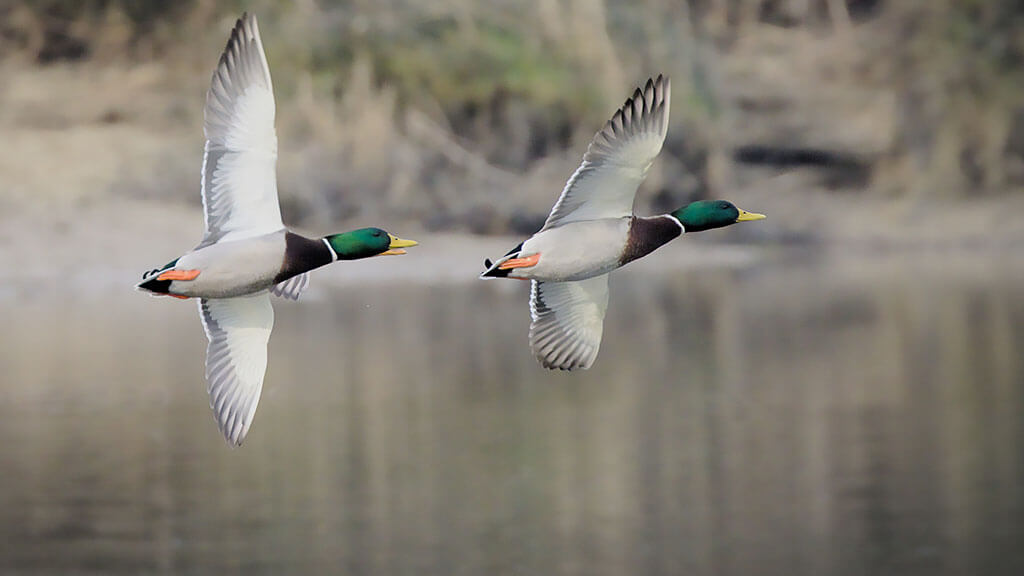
576	251
229	269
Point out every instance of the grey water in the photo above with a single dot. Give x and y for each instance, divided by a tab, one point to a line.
759	420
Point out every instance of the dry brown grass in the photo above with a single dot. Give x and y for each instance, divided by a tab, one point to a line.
470	115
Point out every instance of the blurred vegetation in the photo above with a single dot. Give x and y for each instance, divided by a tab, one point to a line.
476	112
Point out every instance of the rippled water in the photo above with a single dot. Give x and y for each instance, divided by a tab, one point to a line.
771	420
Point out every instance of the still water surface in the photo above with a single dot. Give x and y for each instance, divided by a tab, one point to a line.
771	421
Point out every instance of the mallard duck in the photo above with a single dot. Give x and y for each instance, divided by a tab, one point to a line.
246	253
592	230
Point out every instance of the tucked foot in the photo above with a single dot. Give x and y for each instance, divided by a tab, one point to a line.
178	296
520	262
179	275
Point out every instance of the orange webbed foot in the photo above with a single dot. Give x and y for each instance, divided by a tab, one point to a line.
178	275
520	262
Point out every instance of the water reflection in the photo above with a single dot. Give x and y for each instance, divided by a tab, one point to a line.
737	422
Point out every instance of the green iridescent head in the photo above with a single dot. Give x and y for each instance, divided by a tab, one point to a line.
366	242
708	214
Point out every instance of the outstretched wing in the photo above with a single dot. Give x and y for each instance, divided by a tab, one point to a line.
568	320
617	159
236	358
239	168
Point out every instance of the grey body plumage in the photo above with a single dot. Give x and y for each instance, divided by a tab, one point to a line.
592	231
246	254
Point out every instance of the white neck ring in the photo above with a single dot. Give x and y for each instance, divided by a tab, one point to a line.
334	255
676	220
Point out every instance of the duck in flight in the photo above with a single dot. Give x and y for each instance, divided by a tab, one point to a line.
246	253
592	230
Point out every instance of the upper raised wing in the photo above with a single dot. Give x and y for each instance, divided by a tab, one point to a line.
239	184
236	358
617	160
567	321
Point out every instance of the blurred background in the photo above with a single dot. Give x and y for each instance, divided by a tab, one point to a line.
834	390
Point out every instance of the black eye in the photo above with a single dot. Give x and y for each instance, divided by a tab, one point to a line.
376	232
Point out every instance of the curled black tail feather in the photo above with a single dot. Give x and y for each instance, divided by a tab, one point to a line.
150	282
495	272
156	286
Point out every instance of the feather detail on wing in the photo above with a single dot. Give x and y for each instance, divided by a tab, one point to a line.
236	358
292	287
239	180
568	320
617	160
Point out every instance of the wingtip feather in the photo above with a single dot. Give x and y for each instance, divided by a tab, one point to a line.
642	110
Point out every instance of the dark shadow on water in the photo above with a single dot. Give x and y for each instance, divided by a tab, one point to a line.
769	422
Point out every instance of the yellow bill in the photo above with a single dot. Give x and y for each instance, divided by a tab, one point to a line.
395	248
748	216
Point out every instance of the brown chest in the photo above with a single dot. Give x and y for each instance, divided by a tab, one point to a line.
302	254
647	235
